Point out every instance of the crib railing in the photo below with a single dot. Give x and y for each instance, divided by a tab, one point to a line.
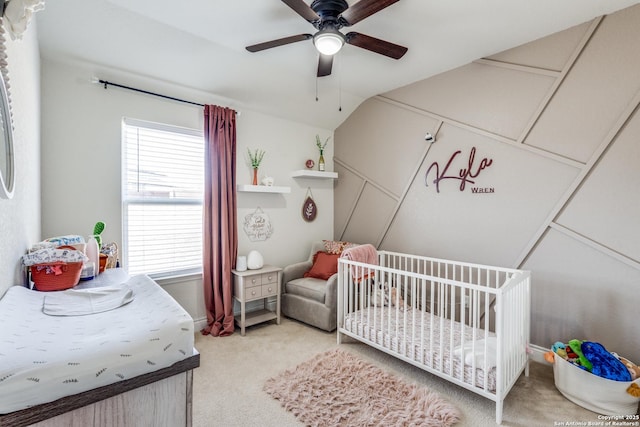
434	312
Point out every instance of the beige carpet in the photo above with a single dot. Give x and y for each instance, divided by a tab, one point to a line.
228	385
337	388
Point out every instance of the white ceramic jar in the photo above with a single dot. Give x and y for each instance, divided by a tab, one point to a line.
254	260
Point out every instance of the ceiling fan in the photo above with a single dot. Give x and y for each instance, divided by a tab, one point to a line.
328	17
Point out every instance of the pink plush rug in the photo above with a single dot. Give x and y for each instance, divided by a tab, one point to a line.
336	388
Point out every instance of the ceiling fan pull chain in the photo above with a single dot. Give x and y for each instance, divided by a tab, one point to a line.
316	89
339	85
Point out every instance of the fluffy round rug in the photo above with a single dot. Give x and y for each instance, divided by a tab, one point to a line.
336	388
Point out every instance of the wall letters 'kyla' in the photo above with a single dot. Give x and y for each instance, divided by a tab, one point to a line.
466	175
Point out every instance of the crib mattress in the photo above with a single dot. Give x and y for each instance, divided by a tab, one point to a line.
44	358
408	339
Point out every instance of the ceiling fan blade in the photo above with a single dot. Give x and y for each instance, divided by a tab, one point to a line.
373	44
325	63
302	9
278	42
364	9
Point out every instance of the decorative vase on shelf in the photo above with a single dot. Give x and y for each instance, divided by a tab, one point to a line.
255	176
321	146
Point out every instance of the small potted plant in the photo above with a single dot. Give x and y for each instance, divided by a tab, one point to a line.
255	158
321	146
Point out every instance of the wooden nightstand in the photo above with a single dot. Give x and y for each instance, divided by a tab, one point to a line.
253	285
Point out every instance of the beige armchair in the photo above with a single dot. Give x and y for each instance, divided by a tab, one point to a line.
307	299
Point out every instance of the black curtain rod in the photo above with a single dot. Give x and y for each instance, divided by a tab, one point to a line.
106	83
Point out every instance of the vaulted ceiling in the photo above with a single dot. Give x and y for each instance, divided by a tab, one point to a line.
200	44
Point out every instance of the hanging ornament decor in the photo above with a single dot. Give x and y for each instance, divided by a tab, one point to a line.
309	208
257	225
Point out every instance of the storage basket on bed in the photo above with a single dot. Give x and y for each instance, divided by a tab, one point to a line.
56	276
55	269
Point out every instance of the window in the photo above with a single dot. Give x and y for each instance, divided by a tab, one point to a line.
162	193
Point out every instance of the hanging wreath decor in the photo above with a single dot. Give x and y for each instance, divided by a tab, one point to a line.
257	225
309	208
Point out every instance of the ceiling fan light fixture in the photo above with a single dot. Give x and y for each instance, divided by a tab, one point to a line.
328	41
328	17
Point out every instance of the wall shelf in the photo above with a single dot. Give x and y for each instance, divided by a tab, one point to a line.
262	189
314	174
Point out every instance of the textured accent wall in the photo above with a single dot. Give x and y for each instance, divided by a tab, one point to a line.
549	135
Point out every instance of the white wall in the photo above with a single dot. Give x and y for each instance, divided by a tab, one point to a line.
20	216
81	162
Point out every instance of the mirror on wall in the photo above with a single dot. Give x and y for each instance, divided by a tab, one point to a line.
14	17
6	144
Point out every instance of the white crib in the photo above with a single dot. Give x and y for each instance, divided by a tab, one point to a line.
466	323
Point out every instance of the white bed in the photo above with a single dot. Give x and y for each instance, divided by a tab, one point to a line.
441	316
44	358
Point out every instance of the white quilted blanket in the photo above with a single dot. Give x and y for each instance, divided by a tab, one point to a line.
43	358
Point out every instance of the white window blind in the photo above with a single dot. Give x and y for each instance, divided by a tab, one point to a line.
162	193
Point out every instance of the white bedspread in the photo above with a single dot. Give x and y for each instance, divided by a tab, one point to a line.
43	358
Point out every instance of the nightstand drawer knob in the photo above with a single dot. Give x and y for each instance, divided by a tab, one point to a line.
270	278
270	289
253	280
253	293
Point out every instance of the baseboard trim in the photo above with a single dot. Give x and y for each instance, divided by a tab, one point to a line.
199	324
270	304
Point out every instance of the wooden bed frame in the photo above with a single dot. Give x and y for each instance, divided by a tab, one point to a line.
163	397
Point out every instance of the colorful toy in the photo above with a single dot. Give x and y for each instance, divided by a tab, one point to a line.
633	369
97	231
604	364
634	390
576	346
572	356
559	349
549	356
593	357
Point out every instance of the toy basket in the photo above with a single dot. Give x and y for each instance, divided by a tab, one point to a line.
56	276
597	394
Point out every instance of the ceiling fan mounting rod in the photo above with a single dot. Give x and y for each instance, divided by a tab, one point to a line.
324	24
329	12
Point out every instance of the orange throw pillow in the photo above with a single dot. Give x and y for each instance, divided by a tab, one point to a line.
324	265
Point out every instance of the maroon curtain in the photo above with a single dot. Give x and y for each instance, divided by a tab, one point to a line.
220	225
